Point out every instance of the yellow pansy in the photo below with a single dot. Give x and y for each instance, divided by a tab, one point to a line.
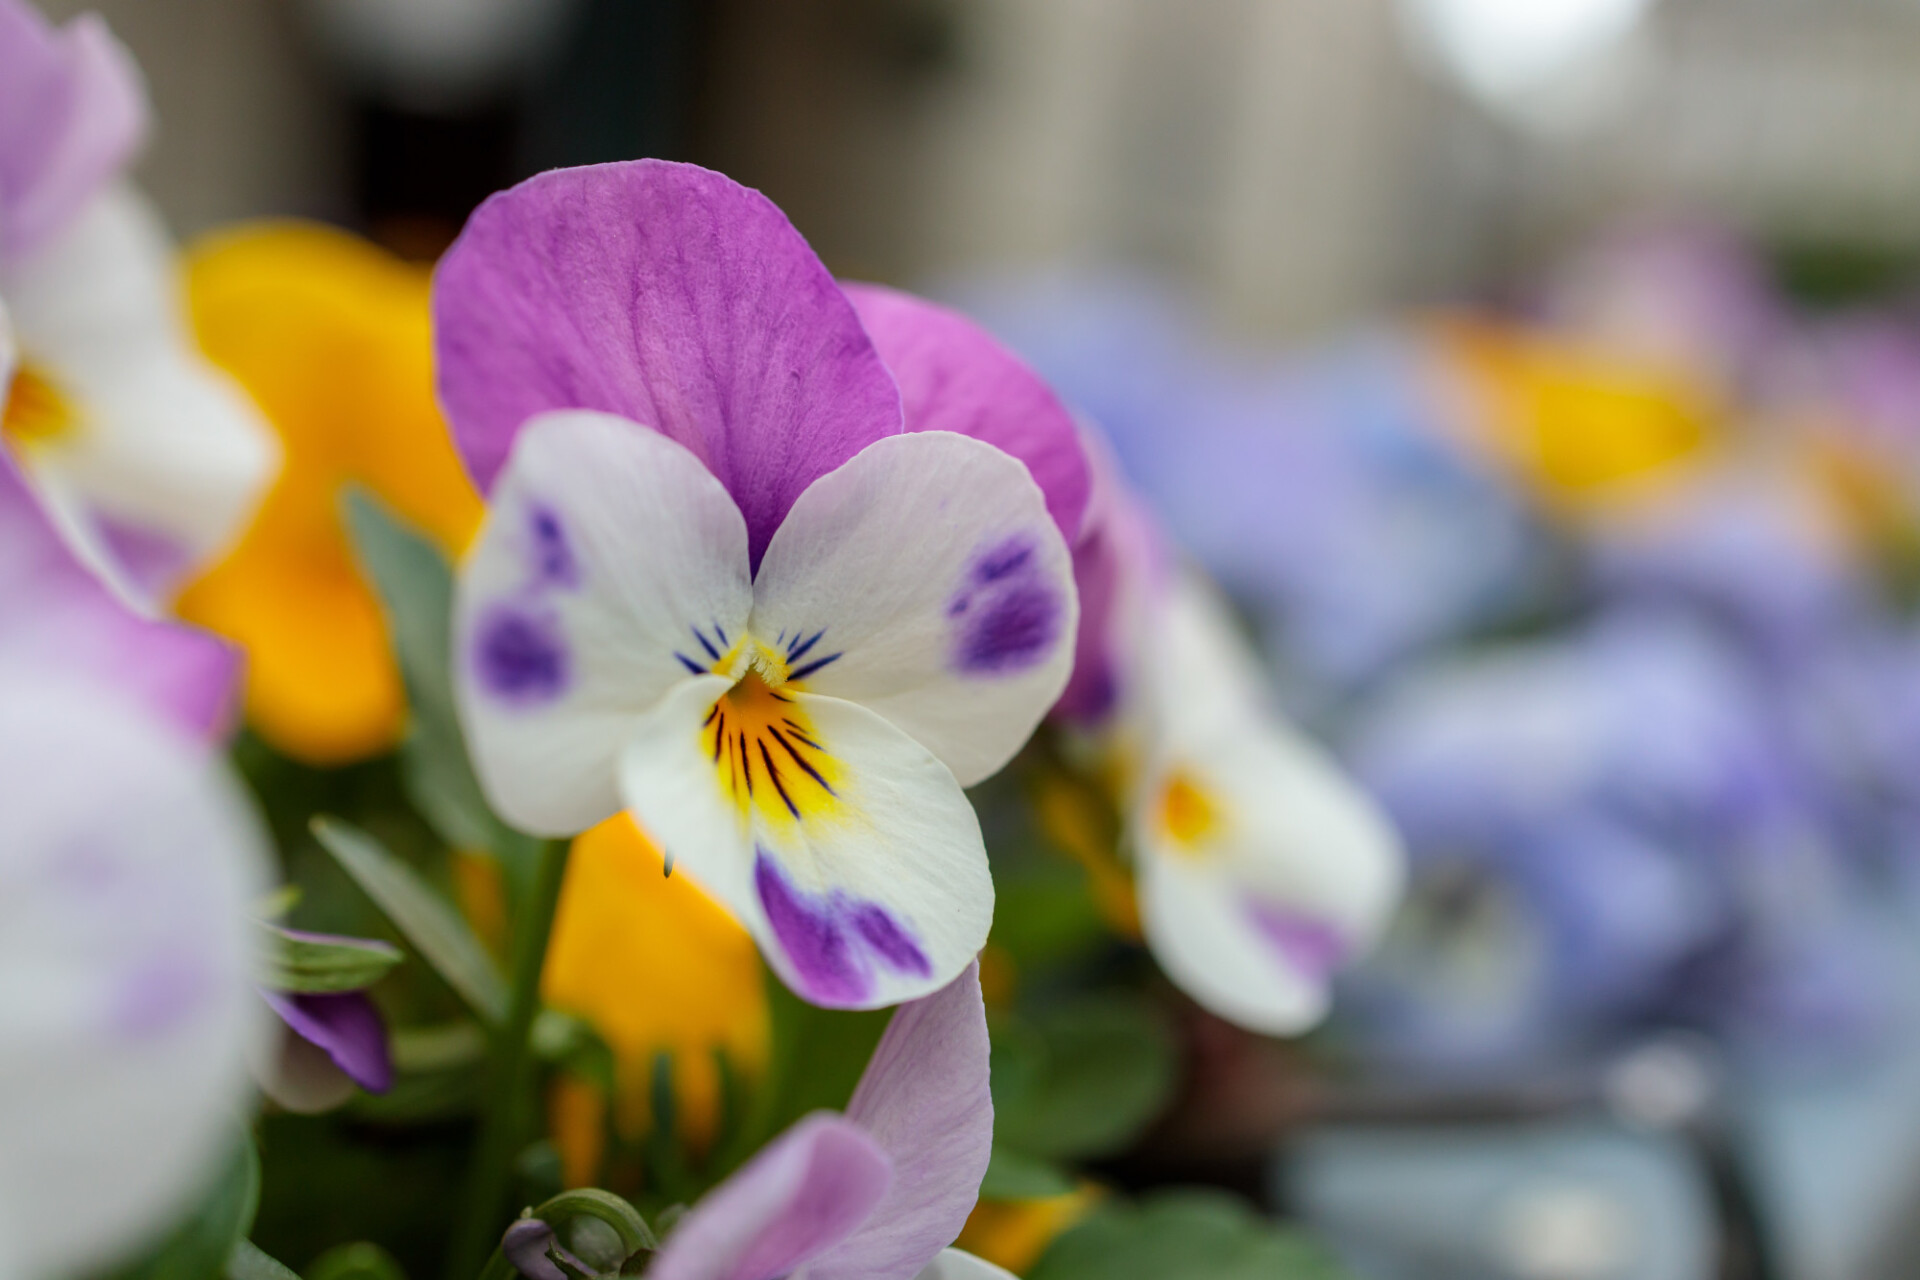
1580	423
655	965
331	336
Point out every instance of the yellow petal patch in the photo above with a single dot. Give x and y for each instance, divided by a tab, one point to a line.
656	966
768	756
1580	424
37	412
331	336
1188	812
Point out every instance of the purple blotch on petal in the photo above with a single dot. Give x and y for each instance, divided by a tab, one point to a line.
884	934
1012	632
162	993
1009	557
1310	945
813	939
520	657
553	560
1012	614
833	941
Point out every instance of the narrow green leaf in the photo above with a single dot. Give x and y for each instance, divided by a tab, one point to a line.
249	1262
415	585
305	962
1012	1175
427	920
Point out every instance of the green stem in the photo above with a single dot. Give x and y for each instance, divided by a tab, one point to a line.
506	1121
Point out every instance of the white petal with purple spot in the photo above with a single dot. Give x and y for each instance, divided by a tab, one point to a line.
925	580
612	568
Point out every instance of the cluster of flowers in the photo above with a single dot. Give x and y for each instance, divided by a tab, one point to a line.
762	565
1607	597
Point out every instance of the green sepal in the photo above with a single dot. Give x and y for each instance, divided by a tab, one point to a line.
299	963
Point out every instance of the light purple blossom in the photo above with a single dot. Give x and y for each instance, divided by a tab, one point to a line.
72	113
60	615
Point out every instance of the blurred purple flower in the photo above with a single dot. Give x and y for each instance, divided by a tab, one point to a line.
1608	827
1689	296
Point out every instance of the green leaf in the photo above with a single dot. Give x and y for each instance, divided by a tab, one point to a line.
304	963
415	585
201	1245
358	1261
1183	1235
814	1060
1012	1175
1082	1080
427	920
249	1262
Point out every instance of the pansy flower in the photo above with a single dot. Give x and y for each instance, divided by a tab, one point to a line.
1260	868
331	337
148	460
620	924
728	583
126	997
874	1194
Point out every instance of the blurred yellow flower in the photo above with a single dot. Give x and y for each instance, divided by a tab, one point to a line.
1014	1233
1581	424
655	965
331	337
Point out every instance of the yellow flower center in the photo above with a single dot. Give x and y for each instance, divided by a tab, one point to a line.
1187	813
37	412
763	746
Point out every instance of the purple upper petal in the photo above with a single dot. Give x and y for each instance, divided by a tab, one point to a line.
59	614
347	1026
924	1098
670	295
953	376
802	1194
72	111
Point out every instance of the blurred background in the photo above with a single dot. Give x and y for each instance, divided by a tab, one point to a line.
1542	379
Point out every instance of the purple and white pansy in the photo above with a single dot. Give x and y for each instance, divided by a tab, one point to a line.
148	459
876	1193
127	1007
778	582
1261	868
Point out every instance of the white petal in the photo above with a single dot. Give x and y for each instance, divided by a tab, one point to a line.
612	566
848	851
167	449
127	1010
1262	867
924	580
958	1264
